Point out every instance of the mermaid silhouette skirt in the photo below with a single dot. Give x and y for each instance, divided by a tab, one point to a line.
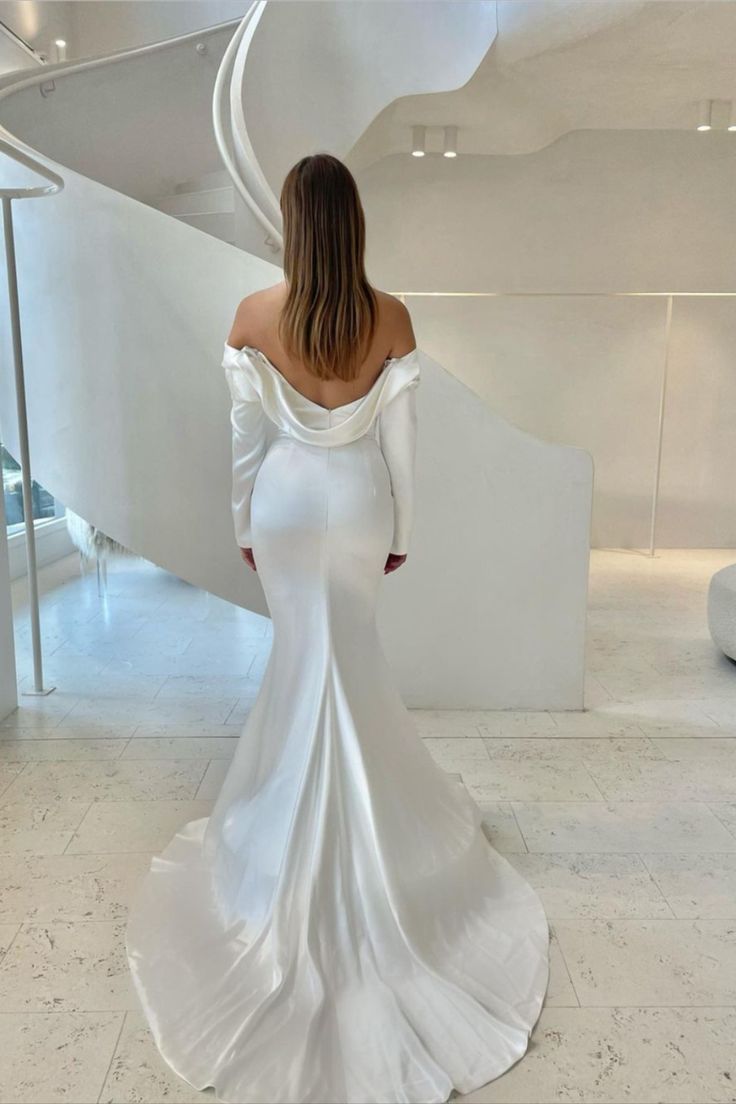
339	929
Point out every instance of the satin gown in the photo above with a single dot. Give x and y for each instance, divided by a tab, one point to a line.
339	930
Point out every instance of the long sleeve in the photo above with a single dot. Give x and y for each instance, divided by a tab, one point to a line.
249	441
397	435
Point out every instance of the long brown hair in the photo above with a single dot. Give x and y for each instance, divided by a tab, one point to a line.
330	312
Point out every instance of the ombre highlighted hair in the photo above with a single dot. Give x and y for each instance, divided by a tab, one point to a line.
330	312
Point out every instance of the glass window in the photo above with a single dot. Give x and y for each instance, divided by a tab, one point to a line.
44	504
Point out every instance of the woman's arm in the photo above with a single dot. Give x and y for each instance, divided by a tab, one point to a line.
397	429
249	430
248	449
397	436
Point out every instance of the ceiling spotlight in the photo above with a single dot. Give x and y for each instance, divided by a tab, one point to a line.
59	42
705	116
450	149
418	141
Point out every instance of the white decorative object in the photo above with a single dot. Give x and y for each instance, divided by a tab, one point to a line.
93	544
722	609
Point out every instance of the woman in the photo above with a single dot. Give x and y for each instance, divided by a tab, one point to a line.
339	929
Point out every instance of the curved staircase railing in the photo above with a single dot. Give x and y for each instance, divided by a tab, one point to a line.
231	132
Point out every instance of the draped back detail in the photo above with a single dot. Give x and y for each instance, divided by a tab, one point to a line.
252	377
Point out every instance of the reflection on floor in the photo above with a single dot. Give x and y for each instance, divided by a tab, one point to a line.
623	817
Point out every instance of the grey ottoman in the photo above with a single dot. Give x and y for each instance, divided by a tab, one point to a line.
722	609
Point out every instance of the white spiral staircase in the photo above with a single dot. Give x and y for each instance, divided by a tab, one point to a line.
125	303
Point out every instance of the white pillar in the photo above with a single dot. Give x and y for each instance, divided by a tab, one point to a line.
8	676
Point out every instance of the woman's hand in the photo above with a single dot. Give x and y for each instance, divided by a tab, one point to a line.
247	554
393	562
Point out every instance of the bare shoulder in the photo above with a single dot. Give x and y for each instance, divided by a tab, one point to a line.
253	315
396	324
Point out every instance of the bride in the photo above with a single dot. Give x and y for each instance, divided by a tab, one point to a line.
338	930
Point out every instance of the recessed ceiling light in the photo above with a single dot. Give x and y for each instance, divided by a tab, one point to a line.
705	116
450	149
418	141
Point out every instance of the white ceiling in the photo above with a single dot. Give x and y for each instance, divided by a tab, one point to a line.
562	65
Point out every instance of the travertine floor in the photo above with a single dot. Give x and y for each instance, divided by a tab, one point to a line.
623	817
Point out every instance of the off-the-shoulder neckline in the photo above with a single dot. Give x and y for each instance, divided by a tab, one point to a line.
388	363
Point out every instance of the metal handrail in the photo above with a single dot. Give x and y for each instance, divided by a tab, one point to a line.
19	41
54	182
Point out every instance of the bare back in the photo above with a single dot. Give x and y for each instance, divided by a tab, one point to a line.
256	325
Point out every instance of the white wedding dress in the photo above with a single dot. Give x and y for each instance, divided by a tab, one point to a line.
339	930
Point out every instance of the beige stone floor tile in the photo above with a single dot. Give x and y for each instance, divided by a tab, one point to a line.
9	772
725	811
580	748
189	708
592	885
621	826
650	962
592	723
687	732
56	1057
454	754
181	747
529	780
666	713
133	826
183	732
684	747
621	1056
213	779
8	933
707	779
43	888
595	694
62	966
511	722
85	675
138	1073
695	885
222	659
625	687
208	686
119	780
501	827
40	712
39	829
122	733
239	714
446	723
723	711
25	750
560	991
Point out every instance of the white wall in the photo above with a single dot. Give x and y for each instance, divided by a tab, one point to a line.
595	212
